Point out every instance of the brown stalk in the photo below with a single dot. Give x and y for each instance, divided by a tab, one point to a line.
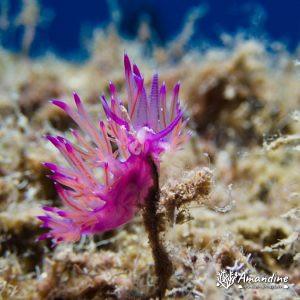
153	222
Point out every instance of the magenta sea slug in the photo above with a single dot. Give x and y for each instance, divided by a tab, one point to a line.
150	126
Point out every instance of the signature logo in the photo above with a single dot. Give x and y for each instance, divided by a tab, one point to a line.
226	278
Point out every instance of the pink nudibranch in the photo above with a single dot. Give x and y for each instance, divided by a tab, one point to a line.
149	127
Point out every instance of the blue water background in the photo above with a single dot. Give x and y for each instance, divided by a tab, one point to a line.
66	24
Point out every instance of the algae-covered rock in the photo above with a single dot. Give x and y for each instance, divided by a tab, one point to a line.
229	197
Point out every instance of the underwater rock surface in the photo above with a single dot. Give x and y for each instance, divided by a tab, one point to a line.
230	196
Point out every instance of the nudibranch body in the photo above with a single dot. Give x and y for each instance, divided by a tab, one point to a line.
149	126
